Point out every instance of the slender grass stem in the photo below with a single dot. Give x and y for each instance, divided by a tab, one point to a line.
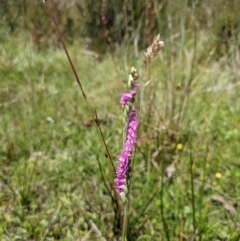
93	113
77	78
201	195
182	193
135	220
125	221
165	226
192	191
125	208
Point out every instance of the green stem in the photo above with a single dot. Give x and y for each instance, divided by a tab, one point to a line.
125	221
192	192
201	222
165	225
125	211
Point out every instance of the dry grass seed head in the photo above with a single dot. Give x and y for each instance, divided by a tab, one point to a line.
153	49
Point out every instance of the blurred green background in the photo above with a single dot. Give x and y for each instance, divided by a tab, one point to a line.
88	20
53	166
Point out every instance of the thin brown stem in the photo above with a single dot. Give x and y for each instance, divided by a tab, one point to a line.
93	113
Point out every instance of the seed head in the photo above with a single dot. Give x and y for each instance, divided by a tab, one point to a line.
153	49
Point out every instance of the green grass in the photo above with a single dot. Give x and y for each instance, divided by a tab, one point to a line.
51	185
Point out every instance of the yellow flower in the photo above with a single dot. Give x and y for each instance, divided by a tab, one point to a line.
218	175
179	146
